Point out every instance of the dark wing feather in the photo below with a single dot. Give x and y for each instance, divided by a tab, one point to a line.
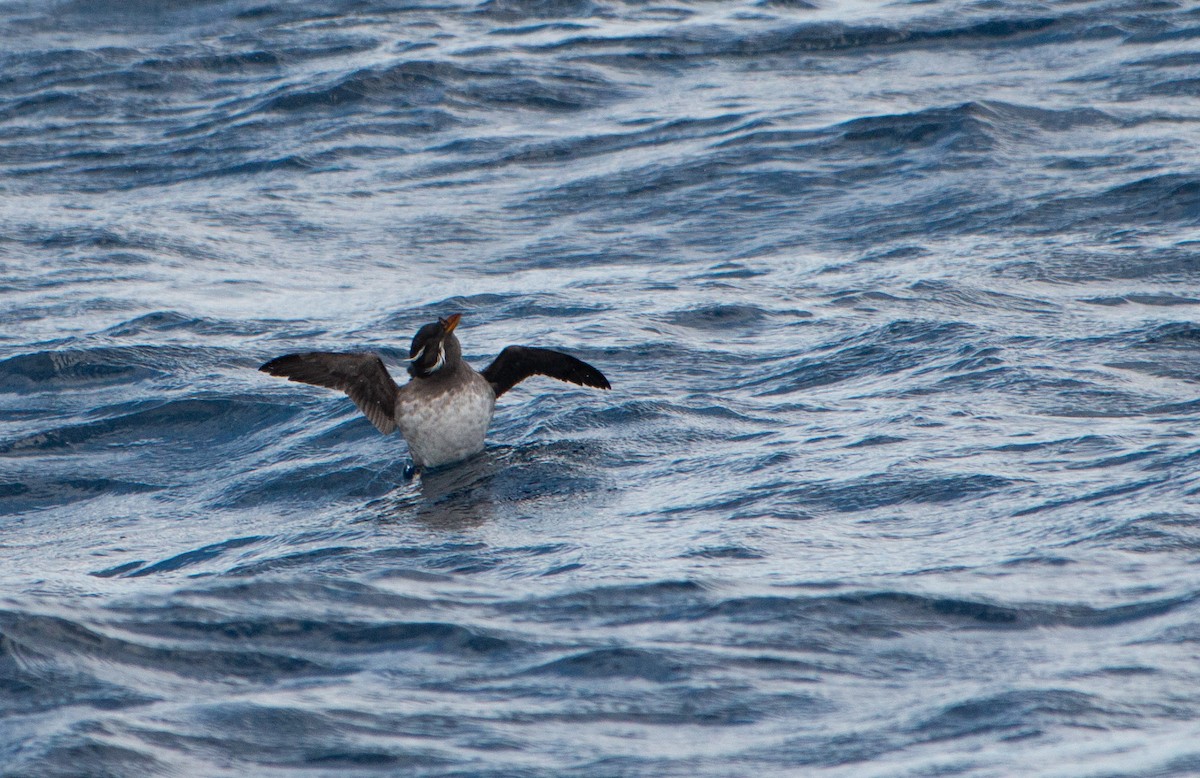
516	363
362	376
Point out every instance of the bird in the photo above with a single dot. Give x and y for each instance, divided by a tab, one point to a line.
445	408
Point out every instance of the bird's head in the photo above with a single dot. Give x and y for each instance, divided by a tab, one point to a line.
433	347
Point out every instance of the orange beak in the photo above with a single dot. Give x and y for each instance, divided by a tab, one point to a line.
451	321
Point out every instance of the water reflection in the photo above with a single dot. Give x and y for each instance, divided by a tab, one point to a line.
500	479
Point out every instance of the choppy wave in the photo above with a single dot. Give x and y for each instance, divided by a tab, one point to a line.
898	472
752	662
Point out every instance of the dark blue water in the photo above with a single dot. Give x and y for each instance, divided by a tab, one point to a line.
899	475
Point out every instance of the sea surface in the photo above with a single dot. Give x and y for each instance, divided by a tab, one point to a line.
899	475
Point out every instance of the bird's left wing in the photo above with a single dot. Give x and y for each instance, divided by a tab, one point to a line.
362	376
516	363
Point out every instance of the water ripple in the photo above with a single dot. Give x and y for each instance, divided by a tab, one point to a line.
898	471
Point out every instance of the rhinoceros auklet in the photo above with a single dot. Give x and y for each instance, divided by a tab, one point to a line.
445	409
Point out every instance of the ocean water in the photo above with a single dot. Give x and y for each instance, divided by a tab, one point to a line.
898	476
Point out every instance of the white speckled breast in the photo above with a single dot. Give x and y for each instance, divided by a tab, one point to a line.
445	427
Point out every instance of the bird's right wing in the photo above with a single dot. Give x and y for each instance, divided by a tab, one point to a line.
516	363
362	376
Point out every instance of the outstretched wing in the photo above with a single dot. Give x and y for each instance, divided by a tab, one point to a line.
516	363
362	376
